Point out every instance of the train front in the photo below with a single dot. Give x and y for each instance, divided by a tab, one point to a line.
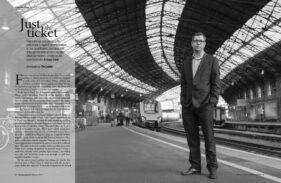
151	114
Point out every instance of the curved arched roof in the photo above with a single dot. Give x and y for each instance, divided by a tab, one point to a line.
218	20
137	46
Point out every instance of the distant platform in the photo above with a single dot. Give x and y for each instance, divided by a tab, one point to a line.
264	127
258	123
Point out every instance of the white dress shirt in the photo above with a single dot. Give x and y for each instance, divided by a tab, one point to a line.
195	63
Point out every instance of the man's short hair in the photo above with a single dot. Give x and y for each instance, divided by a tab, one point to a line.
198	34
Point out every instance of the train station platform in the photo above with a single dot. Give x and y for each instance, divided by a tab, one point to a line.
260	123
107	154
257	126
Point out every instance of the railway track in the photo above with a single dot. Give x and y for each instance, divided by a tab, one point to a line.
251	147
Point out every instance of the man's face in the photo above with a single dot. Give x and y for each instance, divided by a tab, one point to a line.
198	43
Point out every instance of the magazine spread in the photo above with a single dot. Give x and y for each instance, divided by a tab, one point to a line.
140	91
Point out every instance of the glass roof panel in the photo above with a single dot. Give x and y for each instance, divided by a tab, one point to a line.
274	32
152	39
173	93
257	34
154	44
76	53
82	35
171	12
69	42
154	30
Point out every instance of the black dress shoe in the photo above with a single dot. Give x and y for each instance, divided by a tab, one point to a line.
191	171
213	174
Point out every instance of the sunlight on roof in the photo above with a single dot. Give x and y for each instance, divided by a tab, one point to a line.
257	34
81	45
161	41
172	93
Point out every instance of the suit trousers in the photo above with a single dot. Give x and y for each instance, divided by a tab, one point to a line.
192	118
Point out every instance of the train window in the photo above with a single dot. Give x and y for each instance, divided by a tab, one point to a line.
150	107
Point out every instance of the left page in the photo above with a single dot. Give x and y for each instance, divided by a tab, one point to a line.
37	135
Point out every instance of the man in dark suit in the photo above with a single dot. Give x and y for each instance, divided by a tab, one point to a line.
200	89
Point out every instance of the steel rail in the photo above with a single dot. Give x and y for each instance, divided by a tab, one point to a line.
257	148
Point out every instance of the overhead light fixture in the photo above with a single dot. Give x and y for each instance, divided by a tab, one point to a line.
122	95
262	72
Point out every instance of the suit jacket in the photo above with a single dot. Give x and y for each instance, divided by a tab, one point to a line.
204	88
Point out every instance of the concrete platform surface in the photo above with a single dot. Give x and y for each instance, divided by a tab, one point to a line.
107	154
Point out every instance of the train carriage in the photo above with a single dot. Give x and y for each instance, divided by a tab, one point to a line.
219	116
150	114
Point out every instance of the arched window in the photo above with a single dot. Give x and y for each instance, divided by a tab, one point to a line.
251	94
269	89
259	92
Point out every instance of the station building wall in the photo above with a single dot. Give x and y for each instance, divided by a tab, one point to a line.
92	107
261	101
